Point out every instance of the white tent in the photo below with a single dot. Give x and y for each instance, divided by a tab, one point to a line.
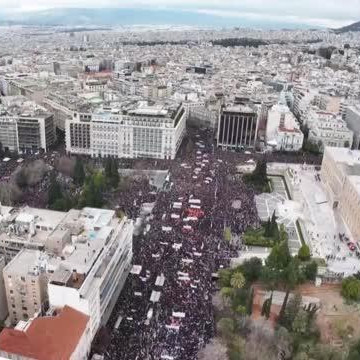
180	315
195	201
136	269
177	205
160	280
155	296
118	322
182	273
150	313
195	207
187	261
173	327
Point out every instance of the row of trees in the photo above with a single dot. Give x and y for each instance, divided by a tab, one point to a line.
237	294
231	42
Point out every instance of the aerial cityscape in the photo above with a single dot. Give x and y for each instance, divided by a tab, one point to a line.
180	182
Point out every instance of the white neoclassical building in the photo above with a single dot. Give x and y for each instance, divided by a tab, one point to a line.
282	130
132	131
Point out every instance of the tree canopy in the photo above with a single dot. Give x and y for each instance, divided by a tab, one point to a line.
350	289
237	280
79	172
258	178
92	195
54	192
251	269
279	257
304	253
111	172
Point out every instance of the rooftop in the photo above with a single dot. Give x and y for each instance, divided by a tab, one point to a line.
73	239
47	338
30	262
344	155
239	109
21	107
355	181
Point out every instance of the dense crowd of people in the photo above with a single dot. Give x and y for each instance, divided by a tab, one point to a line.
34	193
165	309
184	246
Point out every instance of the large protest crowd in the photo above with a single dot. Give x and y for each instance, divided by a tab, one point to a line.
165	309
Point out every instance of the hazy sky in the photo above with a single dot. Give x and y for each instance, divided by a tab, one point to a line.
329	13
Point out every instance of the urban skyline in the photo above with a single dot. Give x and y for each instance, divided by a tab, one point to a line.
179	183
331	14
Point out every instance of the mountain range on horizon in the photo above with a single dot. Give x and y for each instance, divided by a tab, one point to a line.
352	27
128	17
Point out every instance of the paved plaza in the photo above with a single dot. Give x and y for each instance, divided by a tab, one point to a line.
323	225
320	223
287	211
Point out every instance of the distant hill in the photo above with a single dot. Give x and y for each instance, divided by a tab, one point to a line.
352	27
133	16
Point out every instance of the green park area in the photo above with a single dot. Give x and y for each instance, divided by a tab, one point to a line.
267	236
250	329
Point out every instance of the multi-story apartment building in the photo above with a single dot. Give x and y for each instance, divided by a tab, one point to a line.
328	129
28	228
328	103
80	258
25	280
3	301
95	268
340	174
25	126
64	103
137	130
237	127
283	130
154	91
95	84
203	113
302	99
352	119
9	138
